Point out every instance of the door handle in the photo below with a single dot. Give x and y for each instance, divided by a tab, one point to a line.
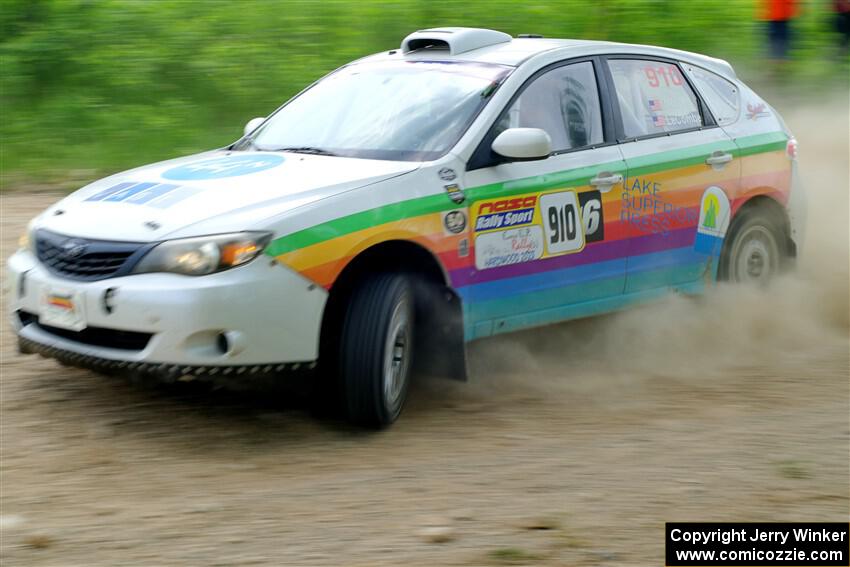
605	180
718	158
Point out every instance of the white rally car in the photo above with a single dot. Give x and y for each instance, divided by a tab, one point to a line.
466	184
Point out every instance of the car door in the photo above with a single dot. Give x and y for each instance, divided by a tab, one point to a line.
545	234
682	168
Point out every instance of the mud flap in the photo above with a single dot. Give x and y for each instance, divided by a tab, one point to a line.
441	349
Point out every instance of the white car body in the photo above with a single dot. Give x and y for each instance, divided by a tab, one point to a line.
271	309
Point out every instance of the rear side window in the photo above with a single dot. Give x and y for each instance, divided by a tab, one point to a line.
565	103
721	96
654	97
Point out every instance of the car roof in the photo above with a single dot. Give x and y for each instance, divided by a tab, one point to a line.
501	49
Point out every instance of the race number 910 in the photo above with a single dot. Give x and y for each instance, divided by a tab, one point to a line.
562	222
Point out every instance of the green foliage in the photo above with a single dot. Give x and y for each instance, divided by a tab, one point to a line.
101	85
794	470
512	556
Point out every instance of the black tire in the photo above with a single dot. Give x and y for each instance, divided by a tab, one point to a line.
756	248
376	349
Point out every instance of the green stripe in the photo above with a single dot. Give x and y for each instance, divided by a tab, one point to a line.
761	143
676	159
359	221
695	155
578	177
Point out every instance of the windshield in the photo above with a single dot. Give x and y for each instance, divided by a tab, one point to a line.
405	110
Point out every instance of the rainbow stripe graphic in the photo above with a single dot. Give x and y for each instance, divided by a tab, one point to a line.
652	241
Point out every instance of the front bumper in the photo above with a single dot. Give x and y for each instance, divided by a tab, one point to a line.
172	324
232	375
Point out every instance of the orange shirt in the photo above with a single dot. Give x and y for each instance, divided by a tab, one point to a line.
773	10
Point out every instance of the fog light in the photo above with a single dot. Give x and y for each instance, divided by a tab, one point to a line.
222	343
230	343
22	284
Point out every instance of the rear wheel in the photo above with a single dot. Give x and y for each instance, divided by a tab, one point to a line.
755	249
376	349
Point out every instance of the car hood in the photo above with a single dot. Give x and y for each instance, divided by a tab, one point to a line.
209	192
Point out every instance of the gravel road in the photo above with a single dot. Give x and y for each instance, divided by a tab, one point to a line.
572	445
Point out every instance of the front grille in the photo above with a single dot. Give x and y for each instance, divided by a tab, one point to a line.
84	259
94	336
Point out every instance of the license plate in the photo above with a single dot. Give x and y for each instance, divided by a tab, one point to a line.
63	309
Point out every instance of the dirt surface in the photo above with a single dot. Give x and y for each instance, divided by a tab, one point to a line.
572	445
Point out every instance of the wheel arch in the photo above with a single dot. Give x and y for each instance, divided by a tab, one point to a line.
443	317
760	204
767	204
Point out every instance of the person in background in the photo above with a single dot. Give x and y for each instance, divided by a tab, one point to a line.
778	14
842	23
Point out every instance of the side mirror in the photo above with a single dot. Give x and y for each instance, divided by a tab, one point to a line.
523	144
253	123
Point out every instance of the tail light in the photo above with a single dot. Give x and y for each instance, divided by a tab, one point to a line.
791	148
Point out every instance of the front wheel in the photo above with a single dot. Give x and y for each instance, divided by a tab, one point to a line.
755	251
376	349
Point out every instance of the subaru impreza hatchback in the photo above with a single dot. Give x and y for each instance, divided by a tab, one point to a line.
466	184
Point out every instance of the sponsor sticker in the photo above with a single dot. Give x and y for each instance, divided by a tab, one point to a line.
504	220
455	193
714	212
505	213
220	167
714	215
157	195
447	174
756	111
506	247
454	221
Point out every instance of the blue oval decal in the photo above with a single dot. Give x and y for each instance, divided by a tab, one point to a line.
228	166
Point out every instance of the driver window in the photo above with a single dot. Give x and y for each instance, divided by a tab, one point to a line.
565	103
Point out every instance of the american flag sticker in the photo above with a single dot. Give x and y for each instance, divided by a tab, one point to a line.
654	104
658	121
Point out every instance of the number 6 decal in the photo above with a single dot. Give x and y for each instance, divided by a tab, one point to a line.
591	212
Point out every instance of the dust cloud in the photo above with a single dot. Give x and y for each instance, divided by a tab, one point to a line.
732	405
727	329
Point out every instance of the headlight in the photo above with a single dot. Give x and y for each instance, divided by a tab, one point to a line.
24	241
203	255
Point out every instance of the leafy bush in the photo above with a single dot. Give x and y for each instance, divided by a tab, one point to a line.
101	85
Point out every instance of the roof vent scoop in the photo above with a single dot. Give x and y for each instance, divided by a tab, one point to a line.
456	40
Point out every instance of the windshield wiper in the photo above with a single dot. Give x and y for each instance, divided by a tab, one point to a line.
305	150
244	145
